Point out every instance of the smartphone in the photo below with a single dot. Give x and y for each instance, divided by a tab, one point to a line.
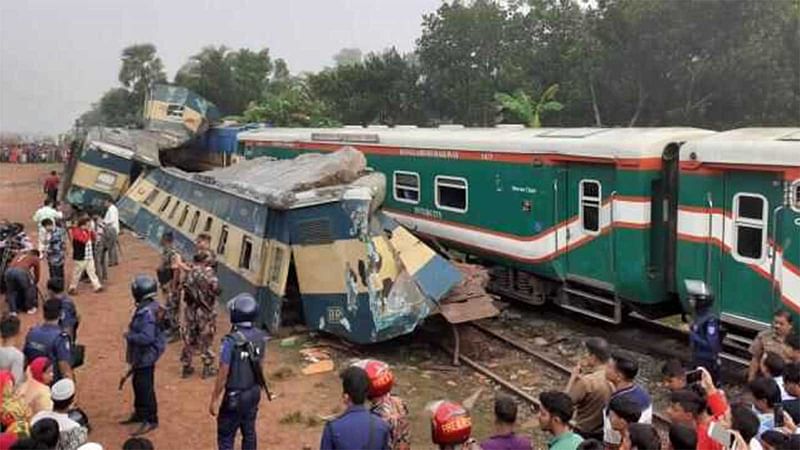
778	413
694	376
719	434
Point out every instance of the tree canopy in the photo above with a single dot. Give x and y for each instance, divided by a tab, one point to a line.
710	64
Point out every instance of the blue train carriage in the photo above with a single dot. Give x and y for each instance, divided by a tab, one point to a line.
583	216
103	168
308	242
110	159
739	222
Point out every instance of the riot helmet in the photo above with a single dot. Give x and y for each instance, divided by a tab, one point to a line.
143	288
243	308
699	295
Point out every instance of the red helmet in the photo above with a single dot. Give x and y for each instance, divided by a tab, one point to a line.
450	424
381	378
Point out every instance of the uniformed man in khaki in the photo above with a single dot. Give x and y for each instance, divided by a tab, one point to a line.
771	340
589	389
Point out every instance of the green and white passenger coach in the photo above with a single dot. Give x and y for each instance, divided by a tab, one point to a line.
600	221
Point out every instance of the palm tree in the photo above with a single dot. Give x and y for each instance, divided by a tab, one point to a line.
525	108
141	68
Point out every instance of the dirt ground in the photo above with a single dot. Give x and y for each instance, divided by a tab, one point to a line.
292	421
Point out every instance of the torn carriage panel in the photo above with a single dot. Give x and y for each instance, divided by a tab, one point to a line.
305	237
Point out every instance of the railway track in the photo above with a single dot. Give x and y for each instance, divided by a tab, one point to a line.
660	419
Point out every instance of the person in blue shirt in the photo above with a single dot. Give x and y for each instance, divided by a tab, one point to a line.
50	341
357	427
704	333
69	319
146	344
239	377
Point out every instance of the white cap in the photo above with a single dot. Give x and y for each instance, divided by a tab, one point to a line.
91	446
62	390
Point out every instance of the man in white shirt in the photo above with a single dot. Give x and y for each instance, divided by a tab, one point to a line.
72	434
47	211
111	221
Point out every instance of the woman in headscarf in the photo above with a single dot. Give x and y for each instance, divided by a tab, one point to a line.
35	391
14	414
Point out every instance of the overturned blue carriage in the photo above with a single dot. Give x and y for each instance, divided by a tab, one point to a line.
305	236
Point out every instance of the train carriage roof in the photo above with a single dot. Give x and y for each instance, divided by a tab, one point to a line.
620	143
747	146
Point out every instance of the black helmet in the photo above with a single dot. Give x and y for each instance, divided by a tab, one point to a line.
143	287
243	308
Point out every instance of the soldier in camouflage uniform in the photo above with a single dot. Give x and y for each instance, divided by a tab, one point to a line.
201	291
203	245
169	276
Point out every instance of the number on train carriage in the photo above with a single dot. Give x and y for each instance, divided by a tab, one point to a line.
750	215
105	181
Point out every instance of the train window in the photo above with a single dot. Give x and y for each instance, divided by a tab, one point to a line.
223	240
151	197
165	204
174	209
195	219
750	215
247	253
175	111
209	223
184	214
590	198
451	194
406	187
105	181
796	196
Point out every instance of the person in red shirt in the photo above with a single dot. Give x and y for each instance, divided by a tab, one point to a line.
689	408
83	255
21	278
51	186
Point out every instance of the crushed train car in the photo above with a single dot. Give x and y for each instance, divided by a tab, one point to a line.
108	160
305	236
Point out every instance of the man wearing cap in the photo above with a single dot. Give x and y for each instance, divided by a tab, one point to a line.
71	434
50	341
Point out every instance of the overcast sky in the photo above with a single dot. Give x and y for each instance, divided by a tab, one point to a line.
59	56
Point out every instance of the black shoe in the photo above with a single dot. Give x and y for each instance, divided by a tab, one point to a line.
208	372
130	420
145	428
187	372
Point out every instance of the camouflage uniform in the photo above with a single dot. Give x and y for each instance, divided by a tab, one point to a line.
394	411
201	291
172	292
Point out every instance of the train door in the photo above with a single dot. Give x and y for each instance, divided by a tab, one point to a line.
590	246
750	201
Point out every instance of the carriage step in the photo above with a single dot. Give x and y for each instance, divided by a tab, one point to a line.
583	302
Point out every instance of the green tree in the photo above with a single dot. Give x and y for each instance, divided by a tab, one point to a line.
141	68
292	106
347	56
250	72
209	74
116	108
465	53
528	110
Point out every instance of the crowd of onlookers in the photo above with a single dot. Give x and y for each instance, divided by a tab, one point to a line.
32	153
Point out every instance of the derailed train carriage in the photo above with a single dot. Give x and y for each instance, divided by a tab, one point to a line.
304	237
601	221
108	160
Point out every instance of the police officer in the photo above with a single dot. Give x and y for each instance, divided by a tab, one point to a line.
239	375
50	341
145	346
357	427
704	335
